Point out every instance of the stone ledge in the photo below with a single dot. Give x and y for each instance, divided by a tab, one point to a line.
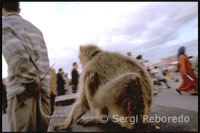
191	126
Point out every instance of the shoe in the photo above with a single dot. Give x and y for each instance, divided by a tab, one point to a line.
194	94
192	87
179	91
155	94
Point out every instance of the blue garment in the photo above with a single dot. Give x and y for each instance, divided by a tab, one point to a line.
181	51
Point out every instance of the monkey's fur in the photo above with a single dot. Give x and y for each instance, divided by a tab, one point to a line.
112	84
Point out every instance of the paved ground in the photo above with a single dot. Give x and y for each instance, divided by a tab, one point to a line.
166	97
170	97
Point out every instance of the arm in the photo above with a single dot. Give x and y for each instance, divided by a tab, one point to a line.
17	58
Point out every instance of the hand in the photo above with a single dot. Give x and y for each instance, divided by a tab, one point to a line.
38	87
32	87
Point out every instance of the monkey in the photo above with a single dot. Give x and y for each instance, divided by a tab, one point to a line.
111	84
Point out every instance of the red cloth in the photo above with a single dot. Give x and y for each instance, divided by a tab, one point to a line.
184	66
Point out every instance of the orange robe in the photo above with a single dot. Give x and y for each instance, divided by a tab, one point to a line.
184	66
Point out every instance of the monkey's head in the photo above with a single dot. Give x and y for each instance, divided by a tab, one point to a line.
87	52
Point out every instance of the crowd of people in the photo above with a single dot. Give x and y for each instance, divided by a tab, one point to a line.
28	81
187	70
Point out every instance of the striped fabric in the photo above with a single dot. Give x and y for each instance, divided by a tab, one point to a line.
17	33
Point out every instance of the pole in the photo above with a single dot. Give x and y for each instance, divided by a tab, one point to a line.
189	77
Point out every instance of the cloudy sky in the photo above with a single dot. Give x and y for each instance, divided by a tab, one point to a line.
154	29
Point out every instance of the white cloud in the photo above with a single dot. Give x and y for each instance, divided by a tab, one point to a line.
138	27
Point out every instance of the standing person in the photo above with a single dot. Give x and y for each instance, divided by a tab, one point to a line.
60	82
190	81
26	55
75	77
53	88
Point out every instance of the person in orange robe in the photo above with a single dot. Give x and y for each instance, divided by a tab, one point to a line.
190	81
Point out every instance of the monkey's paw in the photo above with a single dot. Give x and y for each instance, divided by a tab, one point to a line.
88	121
61	126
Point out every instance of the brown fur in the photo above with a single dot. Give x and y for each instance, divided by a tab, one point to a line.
111	84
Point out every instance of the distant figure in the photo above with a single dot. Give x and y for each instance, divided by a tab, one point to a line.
53	88
160	77
60	82
194	62
67	83
168	75
149	70
190	81
129	54
153	79
4	99
75	77
141	60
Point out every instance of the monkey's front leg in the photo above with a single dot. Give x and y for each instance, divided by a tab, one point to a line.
77	111
96	119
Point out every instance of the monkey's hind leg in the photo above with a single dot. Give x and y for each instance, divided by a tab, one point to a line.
129	104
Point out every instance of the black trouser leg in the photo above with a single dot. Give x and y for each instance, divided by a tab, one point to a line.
52	102
74	88
165	81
